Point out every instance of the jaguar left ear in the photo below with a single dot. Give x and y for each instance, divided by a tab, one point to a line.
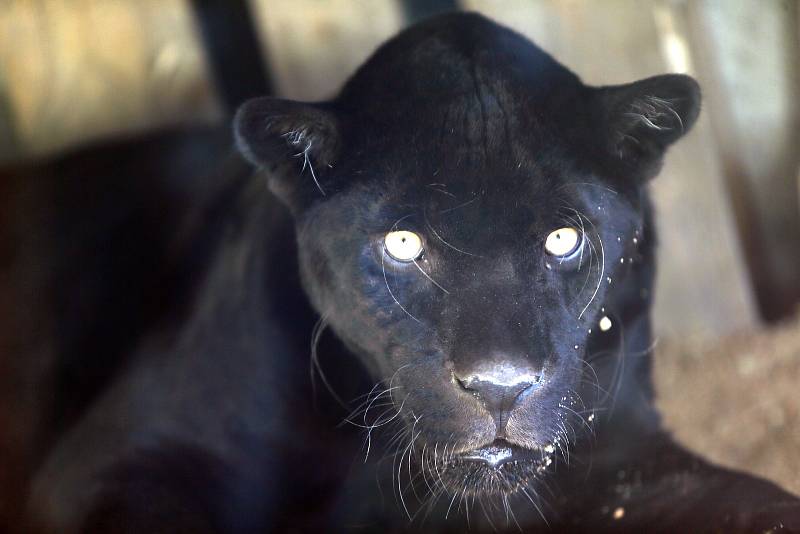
645	117
271	131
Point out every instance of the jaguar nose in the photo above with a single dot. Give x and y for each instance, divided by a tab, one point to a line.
499	389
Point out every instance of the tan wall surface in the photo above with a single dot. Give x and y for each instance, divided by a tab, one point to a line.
312	46
73	70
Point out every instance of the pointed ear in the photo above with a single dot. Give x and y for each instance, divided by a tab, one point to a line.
645	117
270	131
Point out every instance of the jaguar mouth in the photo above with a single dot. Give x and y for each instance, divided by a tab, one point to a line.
499	468
501	453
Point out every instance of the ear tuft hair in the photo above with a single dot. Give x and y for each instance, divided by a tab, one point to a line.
645	117
270	131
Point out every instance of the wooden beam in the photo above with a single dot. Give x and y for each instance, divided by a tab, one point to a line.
233	50
84	69
747	55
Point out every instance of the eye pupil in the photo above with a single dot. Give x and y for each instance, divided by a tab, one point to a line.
403	245
563	242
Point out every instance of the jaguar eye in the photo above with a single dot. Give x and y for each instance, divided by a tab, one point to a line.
563	242
403	245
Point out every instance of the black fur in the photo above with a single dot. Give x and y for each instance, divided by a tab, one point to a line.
468	135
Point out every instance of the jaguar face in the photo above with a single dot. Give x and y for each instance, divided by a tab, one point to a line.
474	299
466	211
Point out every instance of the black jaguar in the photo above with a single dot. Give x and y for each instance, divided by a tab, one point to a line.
471	224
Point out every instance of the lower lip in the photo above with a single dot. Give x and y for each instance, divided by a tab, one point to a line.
491	455
497	454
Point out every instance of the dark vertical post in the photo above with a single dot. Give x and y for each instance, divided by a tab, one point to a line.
417	10
233	50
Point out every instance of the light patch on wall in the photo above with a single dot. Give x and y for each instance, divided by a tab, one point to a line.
313	46
673	44
84	69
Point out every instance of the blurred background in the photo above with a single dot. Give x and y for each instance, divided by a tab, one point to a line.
111	99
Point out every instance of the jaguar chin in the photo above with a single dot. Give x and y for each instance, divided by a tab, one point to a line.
497	469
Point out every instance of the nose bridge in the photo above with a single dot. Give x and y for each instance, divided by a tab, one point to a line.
496	327
494	351
495	271
494	286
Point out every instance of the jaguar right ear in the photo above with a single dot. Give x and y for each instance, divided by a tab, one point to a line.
271	131
643	118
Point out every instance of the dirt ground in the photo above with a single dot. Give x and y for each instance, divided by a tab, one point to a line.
737	402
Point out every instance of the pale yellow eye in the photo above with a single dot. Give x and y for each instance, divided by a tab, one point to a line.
562	242
403	245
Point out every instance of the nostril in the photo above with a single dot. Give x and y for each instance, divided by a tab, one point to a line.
466	382
466	385
461	382
526	388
